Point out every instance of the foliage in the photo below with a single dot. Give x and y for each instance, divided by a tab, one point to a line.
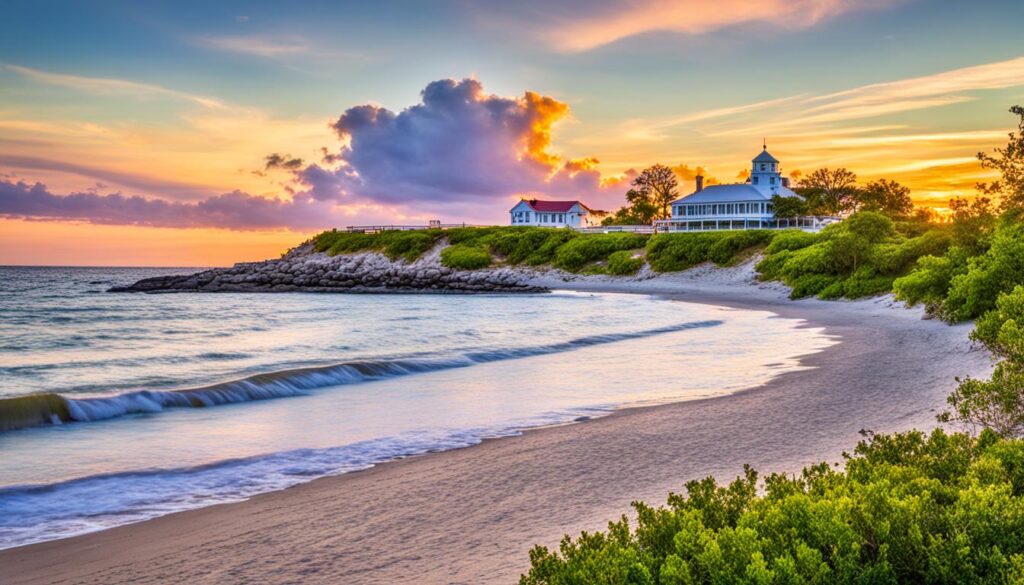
578	252
1001	330
679	251
929	281
788	207
885	196
660	185
465	257
858	257
996	271
791	240
408	245
652	194
640	210
1009	161
623	263
907	508
973	222
996	404
827	191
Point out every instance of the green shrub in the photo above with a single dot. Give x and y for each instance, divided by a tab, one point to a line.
408	245
858	257
622	263
996	271
465	257
809	285
732	243
578	252
929	281
791	240
679	251
1001	330
532	246
907	508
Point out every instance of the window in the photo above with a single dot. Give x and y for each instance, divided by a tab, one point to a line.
772	181
754	179
762	166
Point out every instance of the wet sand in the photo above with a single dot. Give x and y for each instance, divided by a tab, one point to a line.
471	515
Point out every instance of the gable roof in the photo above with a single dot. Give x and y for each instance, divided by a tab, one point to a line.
552	206
765	157
733	192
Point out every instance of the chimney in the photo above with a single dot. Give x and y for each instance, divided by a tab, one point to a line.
700	183
785	182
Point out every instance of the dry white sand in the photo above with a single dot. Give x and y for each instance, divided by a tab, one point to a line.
471	515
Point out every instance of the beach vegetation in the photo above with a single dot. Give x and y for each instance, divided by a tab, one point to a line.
395	244
858	257
465	257
678	251
906	508
578	252
624	263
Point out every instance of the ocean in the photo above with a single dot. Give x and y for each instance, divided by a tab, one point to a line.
178	401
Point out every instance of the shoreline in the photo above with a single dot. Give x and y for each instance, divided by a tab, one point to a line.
471	514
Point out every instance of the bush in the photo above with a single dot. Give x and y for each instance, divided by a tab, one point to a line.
533	246
907	508
465	257
1001	330
996	271
408	245
861	256
791	240
675	252
578	252
996	404
622	263
929	281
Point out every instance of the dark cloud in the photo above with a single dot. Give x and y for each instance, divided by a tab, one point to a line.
235	210
284	162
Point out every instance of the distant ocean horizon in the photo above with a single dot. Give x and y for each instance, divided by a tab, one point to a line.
184	400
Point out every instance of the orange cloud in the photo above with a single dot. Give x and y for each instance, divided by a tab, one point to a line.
627	18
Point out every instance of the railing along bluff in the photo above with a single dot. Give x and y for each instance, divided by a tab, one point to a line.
660	226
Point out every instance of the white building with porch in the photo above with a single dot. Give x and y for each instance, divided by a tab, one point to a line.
573	214
739	205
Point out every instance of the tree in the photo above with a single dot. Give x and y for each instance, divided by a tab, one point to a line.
973	222
885	196
660	186
828	191
1009	161
639	211
788	207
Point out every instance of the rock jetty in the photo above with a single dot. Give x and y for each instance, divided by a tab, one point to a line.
304	269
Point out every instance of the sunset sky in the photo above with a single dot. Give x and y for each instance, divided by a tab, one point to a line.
205	133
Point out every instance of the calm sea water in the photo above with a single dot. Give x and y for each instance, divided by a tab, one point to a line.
284	388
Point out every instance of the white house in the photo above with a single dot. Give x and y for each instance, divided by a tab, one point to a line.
551	213
739	205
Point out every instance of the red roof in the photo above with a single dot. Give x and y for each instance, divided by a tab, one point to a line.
554	206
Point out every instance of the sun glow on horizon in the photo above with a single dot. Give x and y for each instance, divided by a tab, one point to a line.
273	130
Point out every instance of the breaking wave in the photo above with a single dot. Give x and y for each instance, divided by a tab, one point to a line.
52	408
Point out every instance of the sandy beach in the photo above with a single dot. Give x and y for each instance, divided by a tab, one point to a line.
471	515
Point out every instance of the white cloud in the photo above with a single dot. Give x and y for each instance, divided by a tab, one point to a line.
107	86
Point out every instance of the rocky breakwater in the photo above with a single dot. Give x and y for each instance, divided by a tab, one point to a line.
305	270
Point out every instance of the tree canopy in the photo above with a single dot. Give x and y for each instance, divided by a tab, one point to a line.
1009	161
